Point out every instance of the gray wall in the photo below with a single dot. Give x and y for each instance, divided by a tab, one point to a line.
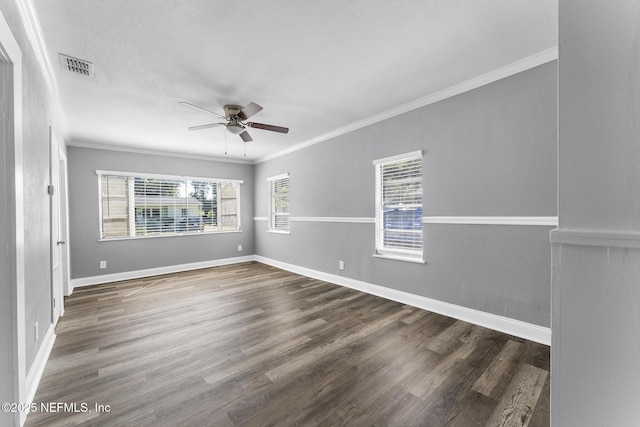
595	379
138	254
488	152
36	118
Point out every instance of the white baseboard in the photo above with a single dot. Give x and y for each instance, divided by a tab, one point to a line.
507	325
37	369
136	274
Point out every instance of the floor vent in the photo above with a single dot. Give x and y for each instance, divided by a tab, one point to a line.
75	65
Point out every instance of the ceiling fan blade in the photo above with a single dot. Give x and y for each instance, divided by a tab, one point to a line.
268	127
246	137
249	110
202	109
210	125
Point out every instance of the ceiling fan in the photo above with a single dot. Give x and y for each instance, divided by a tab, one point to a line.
236	117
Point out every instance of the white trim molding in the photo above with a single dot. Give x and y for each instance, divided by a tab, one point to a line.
418	153
127	275
347	219
10	52
161	176
503	324
549	221
604	238
37	368
152	152
524	64
36	38
507	325
546	221
278	177
32	27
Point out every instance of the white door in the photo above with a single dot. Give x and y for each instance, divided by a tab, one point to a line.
56	240
64	229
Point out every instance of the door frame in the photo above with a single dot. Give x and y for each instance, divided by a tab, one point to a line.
12	196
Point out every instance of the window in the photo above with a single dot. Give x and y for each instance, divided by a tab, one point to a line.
279	203
399	207
143	205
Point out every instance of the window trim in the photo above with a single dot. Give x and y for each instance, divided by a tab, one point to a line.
164	176
393	253
100	172
270	213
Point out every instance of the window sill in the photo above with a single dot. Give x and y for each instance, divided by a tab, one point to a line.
157	236
279	231
399	257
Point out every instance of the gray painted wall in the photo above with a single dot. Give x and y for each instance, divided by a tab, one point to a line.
37	117
488	152
137	254
595	379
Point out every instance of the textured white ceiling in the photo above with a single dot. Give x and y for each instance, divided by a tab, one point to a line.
315	66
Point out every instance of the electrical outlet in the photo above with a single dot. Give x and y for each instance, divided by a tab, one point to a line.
103	264
239	248
341	265
35	332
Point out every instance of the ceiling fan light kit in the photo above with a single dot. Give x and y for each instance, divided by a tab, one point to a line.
235	128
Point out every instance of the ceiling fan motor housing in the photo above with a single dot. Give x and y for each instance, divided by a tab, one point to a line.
232	110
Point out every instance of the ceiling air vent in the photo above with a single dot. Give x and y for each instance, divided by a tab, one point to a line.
75	65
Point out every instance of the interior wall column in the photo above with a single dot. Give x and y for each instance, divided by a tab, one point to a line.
595	378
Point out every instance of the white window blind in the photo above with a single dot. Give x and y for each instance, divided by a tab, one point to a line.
143	205
399	206
279	203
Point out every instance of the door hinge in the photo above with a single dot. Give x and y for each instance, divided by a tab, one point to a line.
50	190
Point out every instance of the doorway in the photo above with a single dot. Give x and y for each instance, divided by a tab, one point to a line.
58	203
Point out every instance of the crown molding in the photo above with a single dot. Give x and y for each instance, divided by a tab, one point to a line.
34	32
465	86
124	149
32	27
36	38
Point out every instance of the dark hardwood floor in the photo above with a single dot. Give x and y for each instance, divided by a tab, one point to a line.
252	345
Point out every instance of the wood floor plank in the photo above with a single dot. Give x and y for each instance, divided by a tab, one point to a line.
449	338
424	386
301	362
253	345
517	404
501	368
541	415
